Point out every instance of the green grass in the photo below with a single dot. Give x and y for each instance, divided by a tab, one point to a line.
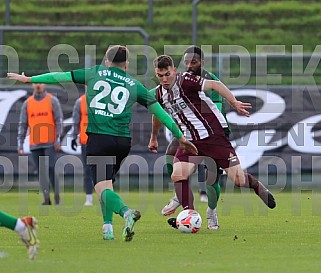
251	239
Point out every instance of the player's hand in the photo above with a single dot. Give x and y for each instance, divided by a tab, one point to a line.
153	145
21	78
241	107
20	152
187	146
74	144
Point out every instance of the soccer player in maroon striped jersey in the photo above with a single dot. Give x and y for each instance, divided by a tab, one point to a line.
194	64
203	124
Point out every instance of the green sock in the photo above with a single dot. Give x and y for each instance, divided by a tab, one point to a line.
217	188
111	203
107	214
7	221
169	164
213	192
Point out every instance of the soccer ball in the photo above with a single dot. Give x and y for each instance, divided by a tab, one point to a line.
189	221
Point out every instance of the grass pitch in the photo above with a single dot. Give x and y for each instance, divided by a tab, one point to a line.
251	238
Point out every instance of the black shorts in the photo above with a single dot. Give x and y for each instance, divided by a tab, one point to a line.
105	154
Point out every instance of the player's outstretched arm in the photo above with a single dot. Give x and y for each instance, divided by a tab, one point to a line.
54	77
222	89
19	77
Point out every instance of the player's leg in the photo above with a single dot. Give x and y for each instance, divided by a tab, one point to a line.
184	165
42	175
111	203
213	189
25	227
201	170
131	216
213	193
7	221
51	153
88	184
103	170
242	179
181	173
227	159
173	203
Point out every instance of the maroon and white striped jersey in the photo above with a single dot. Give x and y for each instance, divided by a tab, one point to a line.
194	112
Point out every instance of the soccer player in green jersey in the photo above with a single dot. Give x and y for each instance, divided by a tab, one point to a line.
110	95
25	227
194	64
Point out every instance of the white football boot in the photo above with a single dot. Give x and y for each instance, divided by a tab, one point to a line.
171	207
212	220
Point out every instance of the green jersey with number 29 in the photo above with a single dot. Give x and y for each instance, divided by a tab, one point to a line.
110	95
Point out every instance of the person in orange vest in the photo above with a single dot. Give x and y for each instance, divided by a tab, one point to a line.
80	122
41	113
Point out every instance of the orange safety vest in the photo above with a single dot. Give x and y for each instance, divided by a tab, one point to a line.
41	120
83	120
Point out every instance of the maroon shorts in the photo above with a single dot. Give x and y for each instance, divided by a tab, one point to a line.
214	150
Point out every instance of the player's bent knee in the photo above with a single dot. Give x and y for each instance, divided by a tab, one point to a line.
176	178
103	185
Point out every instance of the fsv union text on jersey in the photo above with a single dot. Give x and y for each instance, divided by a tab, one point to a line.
109	73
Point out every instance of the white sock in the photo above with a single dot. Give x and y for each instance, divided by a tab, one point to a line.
20	226
127	213
108	226
89	198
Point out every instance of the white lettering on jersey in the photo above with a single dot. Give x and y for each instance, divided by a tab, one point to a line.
103	113
123	78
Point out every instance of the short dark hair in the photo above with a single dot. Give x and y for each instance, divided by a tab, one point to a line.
117	54
195	50
163	61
